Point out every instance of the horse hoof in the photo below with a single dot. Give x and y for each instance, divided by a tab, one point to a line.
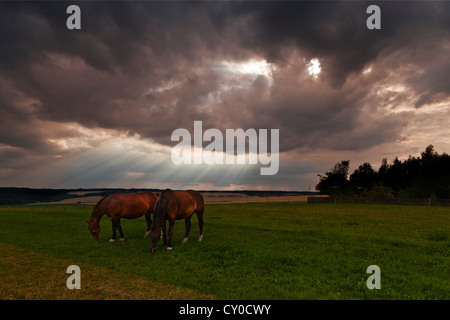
111	240
185	240
147	234
200	239
169	248
121	239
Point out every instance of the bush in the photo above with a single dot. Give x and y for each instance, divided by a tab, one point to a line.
379	192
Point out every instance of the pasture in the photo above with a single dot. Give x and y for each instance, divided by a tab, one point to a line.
250	251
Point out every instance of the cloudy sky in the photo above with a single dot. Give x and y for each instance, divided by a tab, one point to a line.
96	107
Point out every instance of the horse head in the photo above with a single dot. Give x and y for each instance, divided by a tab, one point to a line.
155	235
94	228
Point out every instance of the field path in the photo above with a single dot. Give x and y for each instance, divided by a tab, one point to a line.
42	276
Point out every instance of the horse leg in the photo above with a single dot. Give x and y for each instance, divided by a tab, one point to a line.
200	224
188	228
122	236
171	224
114	228
148	218
164	234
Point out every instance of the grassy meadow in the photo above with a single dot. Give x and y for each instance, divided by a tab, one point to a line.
250	251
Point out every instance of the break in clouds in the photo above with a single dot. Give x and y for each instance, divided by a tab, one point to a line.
96	107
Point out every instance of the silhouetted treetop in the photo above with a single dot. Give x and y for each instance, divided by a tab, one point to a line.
424	176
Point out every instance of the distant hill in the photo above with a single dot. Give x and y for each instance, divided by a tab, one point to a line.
12	195
9	196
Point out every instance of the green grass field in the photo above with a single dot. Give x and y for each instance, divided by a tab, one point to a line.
250	251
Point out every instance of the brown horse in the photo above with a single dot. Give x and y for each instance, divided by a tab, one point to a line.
122	205
175	205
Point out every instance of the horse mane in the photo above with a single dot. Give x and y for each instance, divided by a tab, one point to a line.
158	212
157	221
96	211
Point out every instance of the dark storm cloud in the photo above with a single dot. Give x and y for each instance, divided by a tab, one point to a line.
96	76
336	30
151	67
116	36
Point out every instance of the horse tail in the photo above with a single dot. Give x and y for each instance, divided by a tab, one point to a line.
199	201
155	198
199	210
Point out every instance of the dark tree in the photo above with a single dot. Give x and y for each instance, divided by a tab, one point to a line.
363	179
335	183
382	172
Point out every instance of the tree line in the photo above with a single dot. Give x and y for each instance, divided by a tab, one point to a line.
425	176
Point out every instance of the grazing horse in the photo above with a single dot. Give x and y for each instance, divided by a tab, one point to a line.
175	205
122	205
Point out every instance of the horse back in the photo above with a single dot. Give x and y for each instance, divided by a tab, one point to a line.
180	204
126	205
